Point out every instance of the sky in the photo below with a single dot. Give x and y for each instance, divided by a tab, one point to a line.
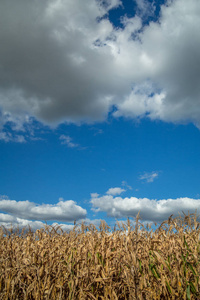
99	111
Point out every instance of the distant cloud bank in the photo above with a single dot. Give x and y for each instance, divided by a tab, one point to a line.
64	213
150	209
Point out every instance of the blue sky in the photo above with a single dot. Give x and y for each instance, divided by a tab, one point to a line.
99	111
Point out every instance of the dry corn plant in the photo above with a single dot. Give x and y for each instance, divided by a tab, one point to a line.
87	263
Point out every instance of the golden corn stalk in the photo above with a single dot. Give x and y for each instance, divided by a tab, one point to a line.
133	262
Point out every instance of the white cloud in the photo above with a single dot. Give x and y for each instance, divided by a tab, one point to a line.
145	8
125	184
25	213
115	191
150	210
8	137
67	140
149	177
65	211
61	61
9	221
171	64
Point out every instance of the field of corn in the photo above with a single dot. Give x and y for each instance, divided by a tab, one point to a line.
131	262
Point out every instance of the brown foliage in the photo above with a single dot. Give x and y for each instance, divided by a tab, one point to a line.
129	263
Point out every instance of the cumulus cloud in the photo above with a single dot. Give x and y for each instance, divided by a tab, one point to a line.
63	61
150	210
115	191
65	211
149	177
50	67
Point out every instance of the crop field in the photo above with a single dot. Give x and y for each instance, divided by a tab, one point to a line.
131	262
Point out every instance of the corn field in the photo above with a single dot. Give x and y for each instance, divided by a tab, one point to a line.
131	262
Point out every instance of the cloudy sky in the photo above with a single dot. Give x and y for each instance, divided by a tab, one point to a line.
99	110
